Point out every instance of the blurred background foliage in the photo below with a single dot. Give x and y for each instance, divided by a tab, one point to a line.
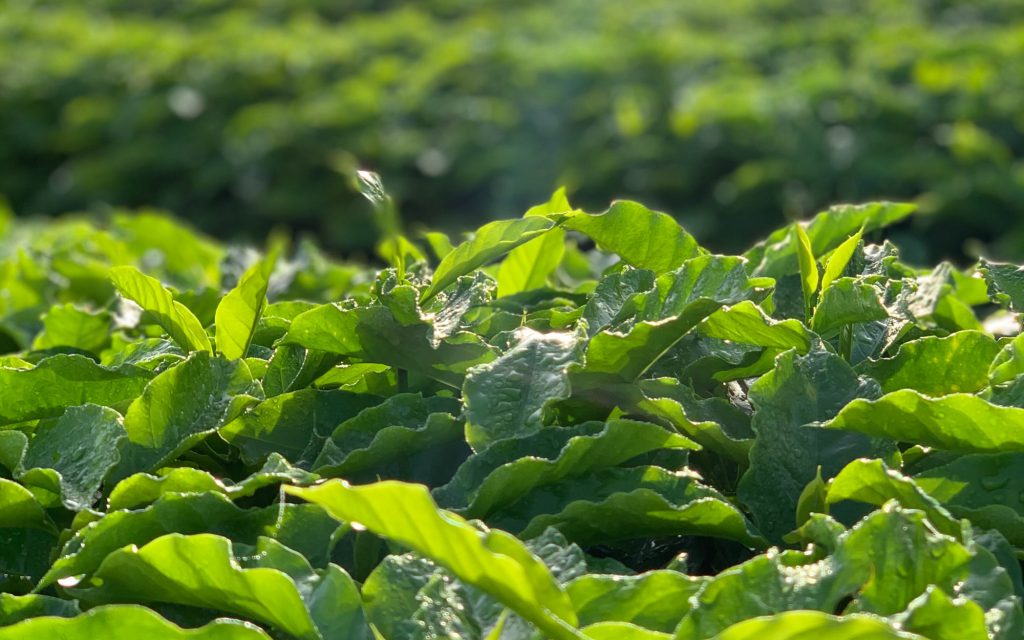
734	115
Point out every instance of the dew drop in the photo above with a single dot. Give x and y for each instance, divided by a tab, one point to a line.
991	483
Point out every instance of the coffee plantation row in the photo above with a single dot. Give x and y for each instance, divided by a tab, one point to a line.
566	425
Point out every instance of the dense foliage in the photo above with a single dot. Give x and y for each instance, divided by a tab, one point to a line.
729	114
508	438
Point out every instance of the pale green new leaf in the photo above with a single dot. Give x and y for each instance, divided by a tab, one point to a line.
839	259
490	241
69	326
239	311
809	278
528	266
154	298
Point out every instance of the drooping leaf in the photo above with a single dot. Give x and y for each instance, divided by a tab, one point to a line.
493	561
809	625
174	317
275	586
656	600
747	324
847	301
787	454
957	422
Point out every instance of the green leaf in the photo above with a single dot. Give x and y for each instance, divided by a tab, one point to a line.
936	616
847	301
1005	283
239	311
612	293
71	457
611	505
655	600
126	621
787	455
202	571
1008	363
509	469
490	241
958	422
746	323
155	299
69	326
492	561
372	334
809	278
305	528
766	585
528	266
642	238
14	609
811	625
140	489
898	555
937	366
181	406
62	381
872	482
680	300
407	437
294	425
506	397
986	488
776	257
839	259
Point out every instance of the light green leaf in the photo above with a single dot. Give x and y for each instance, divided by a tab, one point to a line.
746	323
776	256
69	326
372	334
655	600
642	238
490	241
61	381
937	366
936	616
958	422
155	299
528	266
814	625
839	259
494	562
847	301
506	397
202	571
14	609
239	311
809	279
126	621
1008	363
181	406
1005	283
